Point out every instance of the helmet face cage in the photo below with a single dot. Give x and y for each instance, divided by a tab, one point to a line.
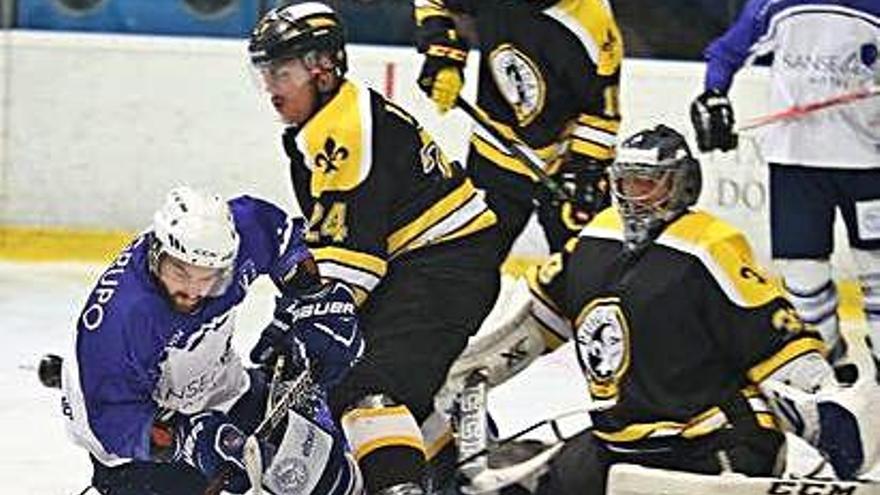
310	31
653	180
196	228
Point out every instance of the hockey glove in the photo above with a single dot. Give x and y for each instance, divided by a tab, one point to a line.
712	117
441	77
586	181
319	329
209	442
441	81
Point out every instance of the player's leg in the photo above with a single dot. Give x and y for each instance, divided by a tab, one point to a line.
860	207
415	324
802	203
147	478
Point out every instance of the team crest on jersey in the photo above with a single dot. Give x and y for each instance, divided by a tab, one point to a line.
602	340
519	80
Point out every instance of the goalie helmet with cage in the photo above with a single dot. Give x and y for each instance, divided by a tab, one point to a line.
196	227
654	179
305	30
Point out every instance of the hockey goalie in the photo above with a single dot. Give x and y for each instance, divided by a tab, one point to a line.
697	367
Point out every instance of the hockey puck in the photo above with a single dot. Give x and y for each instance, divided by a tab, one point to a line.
49	371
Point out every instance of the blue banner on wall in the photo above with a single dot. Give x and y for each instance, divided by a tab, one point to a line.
232	18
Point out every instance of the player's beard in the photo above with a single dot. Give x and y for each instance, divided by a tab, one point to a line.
185	304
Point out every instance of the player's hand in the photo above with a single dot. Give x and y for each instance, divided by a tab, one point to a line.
209	442
712	117
441	78
319	328
586	182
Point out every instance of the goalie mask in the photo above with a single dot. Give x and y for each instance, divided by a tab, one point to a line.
654	179
196	228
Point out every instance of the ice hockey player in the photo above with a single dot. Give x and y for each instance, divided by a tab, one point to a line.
390	218
154	389
693	357
821	162
557	92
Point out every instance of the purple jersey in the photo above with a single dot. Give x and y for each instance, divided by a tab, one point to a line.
134	354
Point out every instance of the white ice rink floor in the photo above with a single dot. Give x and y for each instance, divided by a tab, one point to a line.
38	306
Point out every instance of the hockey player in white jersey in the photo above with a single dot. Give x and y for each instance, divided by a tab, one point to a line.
822	161
153	388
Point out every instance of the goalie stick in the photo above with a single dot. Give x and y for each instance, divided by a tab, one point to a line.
523	153
798	111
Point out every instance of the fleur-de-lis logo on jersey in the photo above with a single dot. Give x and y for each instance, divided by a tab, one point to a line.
332	153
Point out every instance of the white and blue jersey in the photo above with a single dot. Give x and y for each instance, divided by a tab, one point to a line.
133	354
821	49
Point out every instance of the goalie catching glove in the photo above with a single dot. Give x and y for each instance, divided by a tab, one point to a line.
319	330
836	419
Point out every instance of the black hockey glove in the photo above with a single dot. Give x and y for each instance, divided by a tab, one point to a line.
712	117
319	330
586	181
442	73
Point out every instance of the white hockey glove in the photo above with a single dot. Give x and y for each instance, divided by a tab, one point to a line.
836	419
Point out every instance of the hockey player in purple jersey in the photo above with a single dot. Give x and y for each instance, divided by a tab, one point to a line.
153	388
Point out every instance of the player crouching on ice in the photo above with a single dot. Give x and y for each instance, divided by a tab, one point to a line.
156	393
693	358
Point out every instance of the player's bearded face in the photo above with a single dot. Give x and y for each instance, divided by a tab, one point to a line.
187	284
290	88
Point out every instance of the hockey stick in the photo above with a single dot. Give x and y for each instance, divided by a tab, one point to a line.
798	111
491	479
520	151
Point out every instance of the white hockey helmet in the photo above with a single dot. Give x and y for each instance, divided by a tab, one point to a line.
196	227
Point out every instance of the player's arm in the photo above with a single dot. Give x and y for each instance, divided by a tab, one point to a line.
276	244
547	286
764	336
591	76
445	50
711	112
115	366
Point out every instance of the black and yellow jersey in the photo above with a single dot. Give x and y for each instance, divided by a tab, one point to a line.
668	336
375	186
549	72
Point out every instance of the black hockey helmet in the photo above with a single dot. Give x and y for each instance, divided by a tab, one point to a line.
654	179
299	30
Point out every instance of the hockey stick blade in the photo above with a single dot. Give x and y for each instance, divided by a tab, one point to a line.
523	153
798	111
491	480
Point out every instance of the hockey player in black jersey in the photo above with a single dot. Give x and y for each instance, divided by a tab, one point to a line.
689	349
549	73
390	217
